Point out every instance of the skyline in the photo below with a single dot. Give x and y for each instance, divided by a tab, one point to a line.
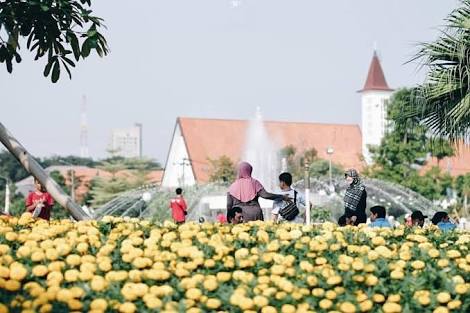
215	60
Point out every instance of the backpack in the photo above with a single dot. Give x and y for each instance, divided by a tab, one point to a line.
290	211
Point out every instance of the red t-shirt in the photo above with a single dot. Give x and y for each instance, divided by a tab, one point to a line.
34	197
178	209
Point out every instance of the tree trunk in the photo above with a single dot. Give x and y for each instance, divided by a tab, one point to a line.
33	167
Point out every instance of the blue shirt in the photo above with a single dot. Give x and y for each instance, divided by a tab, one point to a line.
445	226
380	222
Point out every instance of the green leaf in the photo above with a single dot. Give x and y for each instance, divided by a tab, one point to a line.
75	46
48	67
55	71
67	69
86	47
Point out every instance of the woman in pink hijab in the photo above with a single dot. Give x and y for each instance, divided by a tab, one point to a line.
244	193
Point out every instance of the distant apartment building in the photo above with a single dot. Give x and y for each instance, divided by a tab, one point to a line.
127	142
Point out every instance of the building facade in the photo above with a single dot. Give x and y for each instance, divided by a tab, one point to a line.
374	100
127	142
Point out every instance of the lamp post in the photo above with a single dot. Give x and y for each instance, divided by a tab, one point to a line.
7	194
307	193
330	152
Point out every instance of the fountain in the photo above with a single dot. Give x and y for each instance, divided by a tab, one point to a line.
262	153
207	201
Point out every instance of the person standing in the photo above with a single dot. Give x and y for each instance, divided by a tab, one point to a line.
178	207
244	193
285	183
355	198
39	202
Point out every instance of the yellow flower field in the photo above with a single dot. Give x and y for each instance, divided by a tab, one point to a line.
131	265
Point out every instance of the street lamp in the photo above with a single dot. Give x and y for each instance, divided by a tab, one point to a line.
72	179
7	194
330	152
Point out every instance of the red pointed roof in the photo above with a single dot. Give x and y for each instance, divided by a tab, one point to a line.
375	77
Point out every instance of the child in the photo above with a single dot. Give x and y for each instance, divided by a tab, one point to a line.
377	217
235	215
178	207
39	202
285	182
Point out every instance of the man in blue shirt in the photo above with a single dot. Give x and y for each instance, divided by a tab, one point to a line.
377	217
441	219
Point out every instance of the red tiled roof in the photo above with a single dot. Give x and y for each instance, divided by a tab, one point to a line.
212	138
375	77
456	165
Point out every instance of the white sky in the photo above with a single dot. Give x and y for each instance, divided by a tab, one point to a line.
300	60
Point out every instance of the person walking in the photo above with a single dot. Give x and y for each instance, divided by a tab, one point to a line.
244	193
355	198
178	207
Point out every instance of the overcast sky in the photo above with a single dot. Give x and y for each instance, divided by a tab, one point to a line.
299	60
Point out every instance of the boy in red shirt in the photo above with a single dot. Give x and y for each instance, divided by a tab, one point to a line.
178	207
39	202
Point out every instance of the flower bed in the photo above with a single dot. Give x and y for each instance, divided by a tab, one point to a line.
132	265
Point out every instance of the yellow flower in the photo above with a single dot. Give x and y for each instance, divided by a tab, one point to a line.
334	280
461	289
454	304
193	294
40	270
260	301
288	308
98	283
325	304
418	265
378	298
127	307
12	285
441	309
371	280
18	271
443	297
268	309
210	284
378	241
397	274
394	298
318	292
366	305
390	307
99	304
433	253
347	307
330	294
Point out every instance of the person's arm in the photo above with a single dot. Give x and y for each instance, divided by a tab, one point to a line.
50	200
275	218
184	206
30	206
229	201
270	196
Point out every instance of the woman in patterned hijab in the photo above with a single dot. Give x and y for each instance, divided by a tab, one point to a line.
355	197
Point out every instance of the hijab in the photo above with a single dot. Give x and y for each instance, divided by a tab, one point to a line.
354	191
245	188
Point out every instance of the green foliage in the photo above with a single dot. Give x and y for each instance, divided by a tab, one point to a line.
135	175
443	101
317	167
67	160
58	29
321	168
10	168
405	148
222	170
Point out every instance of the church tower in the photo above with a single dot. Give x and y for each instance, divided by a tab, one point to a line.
374	97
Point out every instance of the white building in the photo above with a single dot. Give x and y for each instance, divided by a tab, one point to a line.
127	142
374	97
